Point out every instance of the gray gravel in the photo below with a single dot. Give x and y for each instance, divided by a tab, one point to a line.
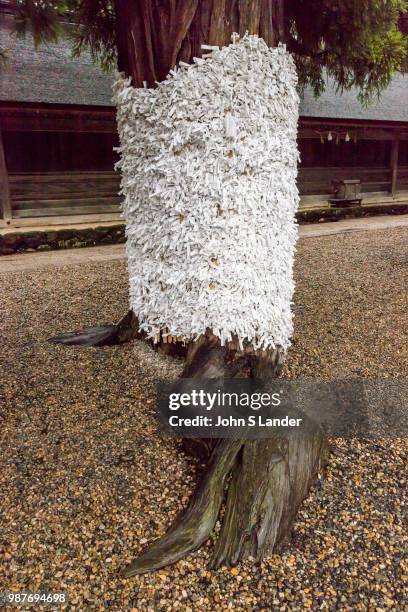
87	482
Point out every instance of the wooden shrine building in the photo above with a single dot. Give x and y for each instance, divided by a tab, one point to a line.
58	133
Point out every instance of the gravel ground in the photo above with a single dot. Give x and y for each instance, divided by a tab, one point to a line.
87	482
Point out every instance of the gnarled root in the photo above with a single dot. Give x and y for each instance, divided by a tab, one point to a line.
270	478
127	329
194	525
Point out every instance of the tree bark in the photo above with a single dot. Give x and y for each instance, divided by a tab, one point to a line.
103	335
268	478
126	330
153	35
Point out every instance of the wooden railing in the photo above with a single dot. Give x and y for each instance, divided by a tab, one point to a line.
63	193
402	178
316	181
80	195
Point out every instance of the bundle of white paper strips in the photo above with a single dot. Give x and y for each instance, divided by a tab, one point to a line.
209	163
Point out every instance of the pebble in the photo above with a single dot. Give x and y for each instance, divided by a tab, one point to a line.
88	481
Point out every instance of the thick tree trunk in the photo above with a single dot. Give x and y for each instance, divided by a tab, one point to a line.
153	35
268	478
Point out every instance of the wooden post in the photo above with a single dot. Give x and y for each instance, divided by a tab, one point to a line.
5	200
394	164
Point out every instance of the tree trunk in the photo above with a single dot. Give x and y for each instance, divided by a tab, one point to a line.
268	478
153	35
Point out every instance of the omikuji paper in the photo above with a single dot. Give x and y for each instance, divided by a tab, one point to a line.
209	164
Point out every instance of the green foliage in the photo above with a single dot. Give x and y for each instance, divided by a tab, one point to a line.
43	19
96	31
90	24
357	42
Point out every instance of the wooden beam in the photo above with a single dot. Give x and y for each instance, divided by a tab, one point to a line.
394	164
362	133
332	121
66	220
48	211
5	200
15	117
58	124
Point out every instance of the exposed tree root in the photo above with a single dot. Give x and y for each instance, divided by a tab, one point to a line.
127	329
108	335
194	525
270	478
267	487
